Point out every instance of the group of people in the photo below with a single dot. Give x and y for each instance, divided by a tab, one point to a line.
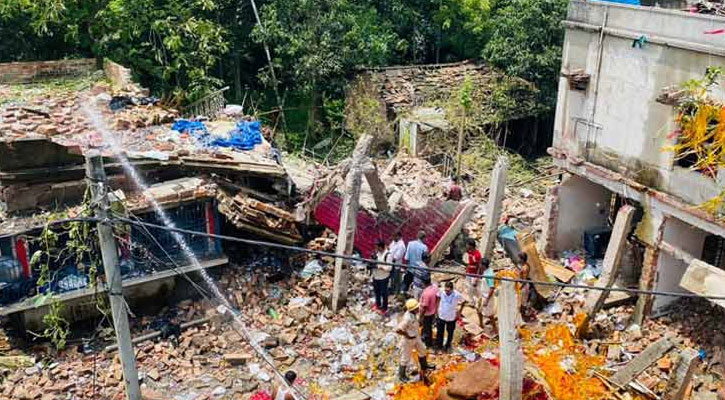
403	269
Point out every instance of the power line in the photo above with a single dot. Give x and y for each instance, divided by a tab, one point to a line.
438	270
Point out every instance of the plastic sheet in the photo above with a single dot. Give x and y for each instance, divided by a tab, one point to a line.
246	135
190	127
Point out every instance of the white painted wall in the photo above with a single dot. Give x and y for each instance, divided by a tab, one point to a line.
617	117
669	269
582	205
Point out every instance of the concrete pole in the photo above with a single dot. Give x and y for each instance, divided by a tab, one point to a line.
493	209
348	219
346	236
97	181
511	378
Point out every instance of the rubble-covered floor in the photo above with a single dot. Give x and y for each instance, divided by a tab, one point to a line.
355	351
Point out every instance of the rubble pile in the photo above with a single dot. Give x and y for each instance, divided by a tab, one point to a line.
692	325
265	219
48	115
211	360
413	181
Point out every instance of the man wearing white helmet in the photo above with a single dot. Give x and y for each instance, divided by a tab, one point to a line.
409	329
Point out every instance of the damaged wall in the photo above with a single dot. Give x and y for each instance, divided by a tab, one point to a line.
25	72
581	205
615	121
670	269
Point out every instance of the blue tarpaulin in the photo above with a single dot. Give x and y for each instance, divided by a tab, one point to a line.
191	127
246	135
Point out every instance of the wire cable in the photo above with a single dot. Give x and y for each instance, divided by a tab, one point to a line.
404	266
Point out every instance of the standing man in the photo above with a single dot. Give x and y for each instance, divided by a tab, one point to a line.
489	300
473	266
381	275
428	308
413	256
397	252
421	275
450	304
408	329
455	192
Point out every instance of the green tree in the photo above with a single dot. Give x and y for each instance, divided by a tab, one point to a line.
462	28
526	41
173	45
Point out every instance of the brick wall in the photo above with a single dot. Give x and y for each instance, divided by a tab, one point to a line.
121	78
26	72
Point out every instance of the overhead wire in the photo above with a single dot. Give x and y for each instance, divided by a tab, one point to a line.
430	269
243	333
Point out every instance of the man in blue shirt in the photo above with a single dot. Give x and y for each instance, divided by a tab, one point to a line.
413	256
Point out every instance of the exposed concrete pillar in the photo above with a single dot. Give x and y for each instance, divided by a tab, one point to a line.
493	209
511	377
551	222
377	187
611	265
650	231
348	219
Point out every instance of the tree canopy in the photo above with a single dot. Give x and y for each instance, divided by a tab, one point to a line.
183	49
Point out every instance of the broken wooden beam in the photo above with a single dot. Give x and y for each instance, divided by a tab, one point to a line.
610	267
704	279
652	353
559	272
527	243
682	376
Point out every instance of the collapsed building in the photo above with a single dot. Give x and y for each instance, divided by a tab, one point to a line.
420	101
617	131
210	176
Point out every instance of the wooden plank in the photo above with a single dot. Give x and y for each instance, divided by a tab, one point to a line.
704	279
612	259
511	376
445	241
559	272
652	353
682	376
536	269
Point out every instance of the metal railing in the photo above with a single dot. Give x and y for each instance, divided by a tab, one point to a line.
208	106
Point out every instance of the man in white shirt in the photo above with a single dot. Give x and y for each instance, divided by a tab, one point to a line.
381	275
397	253
450	305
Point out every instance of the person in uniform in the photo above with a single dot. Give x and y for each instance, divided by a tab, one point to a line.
409	330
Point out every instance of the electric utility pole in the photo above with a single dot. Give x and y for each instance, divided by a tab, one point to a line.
99	194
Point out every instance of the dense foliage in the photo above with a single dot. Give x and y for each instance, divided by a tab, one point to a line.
526	42
183	49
